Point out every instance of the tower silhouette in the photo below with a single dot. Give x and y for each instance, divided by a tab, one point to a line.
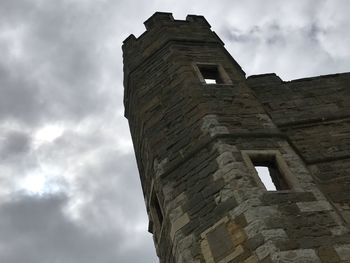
202	131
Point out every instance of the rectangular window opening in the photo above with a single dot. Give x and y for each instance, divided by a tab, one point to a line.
157	210
270	175
211	74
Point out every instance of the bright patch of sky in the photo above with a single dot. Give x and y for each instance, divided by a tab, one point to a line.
47	134
265	177
44	180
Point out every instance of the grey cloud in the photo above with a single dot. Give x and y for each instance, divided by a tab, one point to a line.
112	182
37	230
58	74
19	96
14	143
109	188
67	69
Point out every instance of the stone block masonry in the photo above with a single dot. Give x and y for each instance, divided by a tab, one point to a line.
200	127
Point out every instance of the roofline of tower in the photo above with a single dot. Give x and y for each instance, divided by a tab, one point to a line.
160	17
275	76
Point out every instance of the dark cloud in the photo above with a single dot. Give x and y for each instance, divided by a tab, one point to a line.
36	229
13	144
112	182
51	67
19	95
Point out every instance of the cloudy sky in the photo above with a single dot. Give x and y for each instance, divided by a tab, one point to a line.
69	187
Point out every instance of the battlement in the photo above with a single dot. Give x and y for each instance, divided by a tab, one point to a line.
161	29
160	19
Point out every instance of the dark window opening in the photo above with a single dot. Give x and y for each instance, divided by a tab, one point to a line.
270	174
150	227
157	210
211	74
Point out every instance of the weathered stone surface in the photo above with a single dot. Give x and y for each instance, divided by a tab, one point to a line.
314	206
220	242
178	224
299	255
192	142
343	251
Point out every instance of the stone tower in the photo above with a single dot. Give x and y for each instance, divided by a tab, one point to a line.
200	129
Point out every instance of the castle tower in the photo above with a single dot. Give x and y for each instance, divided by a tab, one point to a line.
199	132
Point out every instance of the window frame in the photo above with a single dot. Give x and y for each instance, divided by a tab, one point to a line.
252	156
223	76
156	224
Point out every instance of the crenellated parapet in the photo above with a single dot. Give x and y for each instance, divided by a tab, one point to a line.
164	28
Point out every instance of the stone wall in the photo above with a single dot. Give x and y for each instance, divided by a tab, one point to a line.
315	115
